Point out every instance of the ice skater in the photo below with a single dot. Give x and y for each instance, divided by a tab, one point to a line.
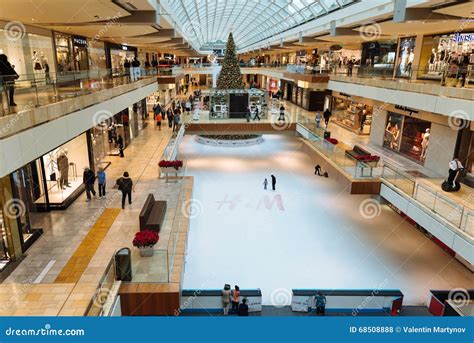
317	170
265	184
274	181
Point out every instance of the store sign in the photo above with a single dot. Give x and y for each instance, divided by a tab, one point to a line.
406	109
463	37
335	47
79	41
124	47
345	95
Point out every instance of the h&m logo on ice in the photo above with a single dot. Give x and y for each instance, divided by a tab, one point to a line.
265	202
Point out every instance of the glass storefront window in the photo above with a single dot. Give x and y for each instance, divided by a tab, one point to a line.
63	167
118	58
352	115
406	56
4	254
64	55
81	59
379	56
102	144
97	58
393	129
415	138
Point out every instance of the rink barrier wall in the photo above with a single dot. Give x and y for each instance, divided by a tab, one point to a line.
210	300
349	301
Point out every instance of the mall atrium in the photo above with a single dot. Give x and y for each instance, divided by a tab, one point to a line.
157	156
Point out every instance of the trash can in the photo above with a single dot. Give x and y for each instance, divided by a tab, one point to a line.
327	134
123	264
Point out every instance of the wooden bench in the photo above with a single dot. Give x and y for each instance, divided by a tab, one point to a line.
356	151
152	214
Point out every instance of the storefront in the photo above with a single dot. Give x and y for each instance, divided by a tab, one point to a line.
378	58
64	52
407	135
32	54
351	114
406	57
117	55
96	53
451	55
81	59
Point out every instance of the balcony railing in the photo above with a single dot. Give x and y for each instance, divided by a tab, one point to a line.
34	90
459	215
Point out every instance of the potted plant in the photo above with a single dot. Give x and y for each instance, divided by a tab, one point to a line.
145	241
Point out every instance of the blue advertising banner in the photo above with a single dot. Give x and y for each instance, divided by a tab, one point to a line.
237	329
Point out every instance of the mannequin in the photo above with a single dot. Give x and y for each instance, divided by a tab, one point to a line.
63	168
432	61
37	68
45	65
424	144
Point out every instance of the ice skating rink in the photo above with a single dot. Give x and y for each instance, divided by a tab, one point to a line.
309	233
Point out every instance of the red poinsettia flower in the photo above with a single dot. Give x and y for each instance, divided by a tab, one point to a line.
333	141
145	238
170	164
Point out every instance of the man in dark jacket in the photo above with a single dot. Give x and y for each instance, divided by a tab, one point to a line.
243	309
327	115
8	76
125	185
88	178
274	181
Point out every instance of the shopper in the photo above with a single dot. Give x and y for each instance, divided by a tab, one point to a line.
235	299
125	185
455	166
101	180
327	116
126	66
169	114
120	145
8	76
188	107
320	302
265	184
226	299
274	181
88	178
136	69
158	119
247	114
318	119
257	115
317	170
243	309
282	113
176	120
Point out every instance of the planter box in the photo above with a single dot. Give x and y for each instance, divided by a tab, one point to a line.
146	251
167	170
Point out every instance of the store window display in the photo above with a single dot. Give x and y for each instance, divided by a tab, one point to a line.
450	56
62	168
81	59
352	115
97	59
392	134
406	57
415	138
378	57
64	52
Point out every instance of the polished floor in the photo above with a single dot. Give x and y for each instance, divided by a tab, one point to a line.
307	234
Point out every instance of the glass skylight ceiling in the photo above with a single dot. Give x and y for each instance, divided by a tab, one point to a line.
251	21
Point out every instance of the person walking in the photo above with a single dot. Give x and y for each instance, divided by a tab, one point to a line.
125	185
8	76
318	119
176	120
243	309
327	116
265	184
158	119
135	69
247	114
274	181
126	67
317	170
282	113
257	115
120	145
226	299
235	299
88	178
169	114
101	180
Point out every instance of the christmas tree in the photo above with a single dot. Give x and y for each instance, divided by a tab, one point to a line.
230	76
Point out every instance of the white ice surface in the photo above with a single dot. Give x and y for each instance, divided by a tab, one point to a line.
319	239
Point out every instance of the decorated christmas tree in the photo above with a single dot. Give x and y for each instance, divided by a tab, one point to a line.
230	76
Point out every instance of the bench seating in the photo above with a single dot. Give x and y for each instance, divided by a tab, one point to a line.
357	151
152	214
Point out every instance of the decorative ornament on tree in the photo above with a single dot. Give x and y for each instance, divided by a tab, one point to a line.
230	76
